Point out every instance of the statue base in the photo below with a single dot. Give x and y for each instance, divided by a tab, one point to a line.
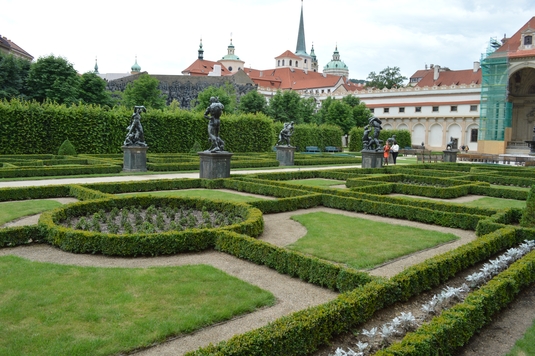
285	155
135	158
372	159
450	155
214	164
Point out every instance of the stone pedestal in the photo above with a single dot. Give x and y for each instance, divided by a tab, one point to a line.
372	159
135	158
285	155
214	165
450	155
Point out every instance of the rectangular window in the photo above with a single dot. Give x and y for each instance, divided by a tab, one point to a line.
473	107
435	108
418	109
453	108
372	110
473	135
401	109
386	110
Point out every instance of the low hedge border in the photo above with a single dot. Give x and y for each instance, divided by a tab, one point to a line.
40	192
302	332
21	235
58	171
309	269
454	327
78	241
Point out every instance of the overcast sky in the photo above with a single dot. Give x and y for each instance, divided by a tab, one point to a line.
164	35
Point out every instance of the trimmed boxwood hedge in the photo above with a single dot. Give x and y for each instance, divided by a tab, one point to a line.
78	241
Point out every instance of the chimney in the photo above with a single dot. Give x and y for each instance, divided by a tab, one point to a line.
476	66
436	72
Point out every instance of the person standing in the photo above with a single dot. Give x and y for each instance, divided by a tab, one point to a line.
386	153
395	151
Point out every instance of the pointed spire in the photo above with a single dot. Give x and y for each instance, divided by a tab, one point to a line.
201	51
301	44
96	66
312	53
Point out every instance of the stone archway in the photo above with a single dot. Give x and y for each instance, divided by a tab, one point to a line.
522	95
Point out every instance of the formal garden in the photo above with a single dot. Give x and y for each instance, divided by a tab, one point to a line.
51	309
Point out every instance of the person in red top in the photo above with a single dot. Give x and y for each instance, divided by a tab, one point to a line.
386	152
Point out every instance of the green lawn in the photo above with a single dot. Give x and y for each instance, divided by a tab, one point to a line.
316	182
48	309
526	345
202	193
496	203
17	209
361	243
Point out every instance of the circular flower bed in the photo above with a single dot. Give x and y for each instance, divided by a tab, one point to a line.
147	225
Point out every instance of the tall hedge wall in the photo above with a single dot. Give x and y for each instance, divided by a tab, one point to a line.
403	137
312	135
33	128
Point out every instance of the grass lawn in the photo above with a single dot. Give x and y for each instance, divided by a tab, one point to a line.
361	243
49	309
17	209
496	203
202	193
525	345
319	182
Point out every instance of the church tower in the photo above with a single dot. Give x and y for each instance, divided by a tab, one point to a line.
301	49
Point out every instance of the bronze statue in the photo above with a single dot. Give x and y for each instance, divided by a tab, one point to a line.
374	143
135	135
285	134
213	113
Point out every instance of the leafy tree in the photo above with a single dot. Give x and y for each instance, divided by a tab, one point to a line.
286	106
339	113
53	78
13	75
226	95
144	91
253	102
93	90
360	112
308	107
389	78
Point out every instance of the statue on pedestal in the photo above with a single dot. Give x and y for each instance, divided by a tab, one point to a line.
213	113
372	143
135	135
285	134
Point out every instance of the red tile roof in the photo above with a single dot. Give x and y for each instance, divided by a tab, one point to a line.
295	79
512	44
447	77
12	46
203	67
287	54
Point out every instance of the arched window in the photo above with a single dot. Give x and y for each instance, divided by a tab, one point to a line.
279	63
290	62
283	62
297	63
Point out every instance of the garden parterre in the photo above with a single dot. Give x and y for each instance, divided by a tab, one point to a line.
361	295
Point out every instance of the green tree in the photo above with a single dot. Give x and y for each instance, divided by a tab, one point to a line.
225	93
339	113
252	102
286	106
389	78
13	75
93	90
360	112
144	91
53	78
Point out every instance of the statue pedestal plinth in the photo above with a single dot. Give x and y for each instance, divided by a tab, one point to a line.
214	165
285	155
372	159
450	155
135	158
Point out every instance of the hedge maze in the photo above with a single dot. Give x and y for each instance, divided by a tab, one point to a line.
360	295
